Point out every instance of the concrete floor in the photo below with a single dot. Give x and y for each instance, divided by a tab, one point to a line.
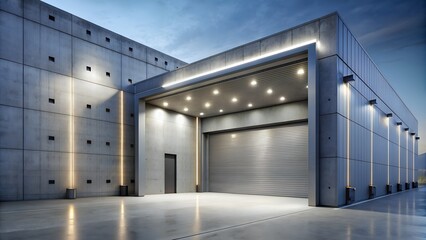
213	216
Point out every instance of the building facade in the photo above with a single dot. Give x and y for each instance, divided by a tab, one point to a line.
67	96
301	113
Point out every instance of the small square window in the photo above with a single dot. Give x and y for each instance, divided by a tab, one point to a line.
130	80
130	49
165	63
107	110
52	100
132	115
107	39
132	146
51	18
89	181
108	74
88	68
52	59
89	141
51	138
108	181
156	59
88	32
51	181
107	143
88	106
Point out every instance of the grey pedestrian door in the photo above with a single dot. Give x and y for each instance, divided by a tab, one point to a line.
170	173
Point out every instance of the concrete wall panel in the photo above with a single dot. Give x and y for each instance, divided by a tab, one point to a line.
100	60
61	20
134	70
154	71
40	86
12	6
11	128
11	37
11	174
40	125
11	84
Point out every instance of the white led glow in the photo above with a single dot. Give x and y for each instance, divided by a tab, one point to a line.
253	83
201	114
233	135
220	110
269	91
282	98
215	92
207	105
185	109
240	63
188	98
165	104
234	99
300	71
250	105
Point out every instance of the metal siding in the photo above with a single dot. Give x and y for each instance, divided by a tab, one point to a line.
271	161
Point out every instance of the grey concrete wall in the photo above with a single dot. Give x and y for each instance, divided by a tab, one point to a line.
169	132
29	77
369	84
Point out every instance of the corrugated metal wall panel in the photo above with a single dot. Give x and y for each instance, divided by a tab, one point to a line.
270	161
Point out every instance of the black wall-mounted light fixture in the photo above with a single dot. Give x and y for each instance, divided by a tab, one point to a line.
373	101
349	78
399	123
406	129
389	115
413	133
417	138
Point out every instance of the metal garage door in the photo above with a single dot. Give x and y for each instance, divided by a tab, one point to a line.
270	161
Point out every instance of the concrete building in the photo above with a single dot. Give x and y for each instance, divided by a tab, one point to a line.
302	113
66	92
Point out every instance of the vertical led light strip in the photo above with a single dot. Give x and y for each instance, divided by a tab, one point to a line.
347	135
71	135
406	156
371	143
399	154
121	139
413	156
196	152
388	121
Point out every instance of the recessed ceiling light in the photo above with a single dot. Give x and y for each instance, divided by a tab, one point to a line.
234	99
250	105
233	135
165	104
185	109
201	113
253	83
282	98
220	110
207	105
215	92
269	91
188	98
300	71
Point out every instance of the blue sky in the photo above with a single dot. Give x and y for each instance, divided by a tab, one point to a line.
392	31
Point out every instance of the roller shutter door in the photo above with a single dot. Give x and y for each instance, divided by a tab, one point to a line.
270	161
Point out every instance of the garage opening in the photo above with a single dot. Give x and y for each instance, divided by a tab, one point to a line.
264	161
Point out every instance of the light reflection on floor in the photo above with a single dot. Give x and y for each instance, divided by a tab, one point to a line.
212	216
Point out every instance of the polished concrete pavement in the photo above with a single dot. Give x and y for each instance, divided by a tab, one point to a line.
213	216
